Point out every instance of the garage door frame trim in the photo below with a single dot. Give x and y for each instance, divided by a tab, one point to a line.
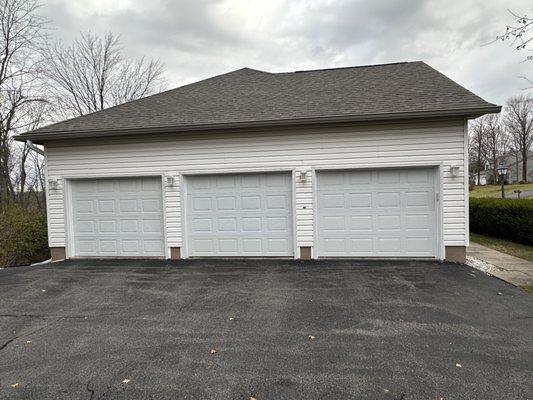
439	168
191	174
69	212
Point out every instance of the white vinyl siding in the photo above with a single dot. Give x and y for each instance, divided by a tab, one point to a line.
364	146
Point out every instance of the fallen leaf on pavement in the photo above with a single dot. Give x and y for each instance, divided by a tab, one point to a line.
212	351
311	337
43	290
231	318
458	365
28	341
15	385
252	398
126	380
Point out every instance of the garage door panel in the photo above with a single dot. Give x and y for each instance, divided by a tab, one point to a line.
203	246
387	223
107	246
334	200
418	199
227	225
129	226
117	217
359	178
151	225
251	224
107	227
361	223
127	205
202	204
226	203
417	221
388	199
131	245
201	225
84	206
363	246
419	176
360	200
252	215
251	203
334	223
376	213
105	186
105	206
252	246
388	245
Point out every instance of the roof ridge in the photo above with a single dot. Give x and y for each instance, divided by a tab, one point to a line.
353	66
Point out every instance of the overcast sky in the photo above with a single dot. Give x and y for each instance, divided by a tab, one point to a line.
196	39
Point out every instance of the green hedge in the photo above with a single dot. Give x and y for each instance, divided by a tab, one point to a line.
23	236
509	219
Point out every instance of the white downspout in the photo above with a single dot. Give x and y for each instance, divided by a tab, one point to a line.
30	144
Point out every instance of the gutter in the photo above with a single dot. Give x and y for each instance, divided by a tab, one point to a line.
45	136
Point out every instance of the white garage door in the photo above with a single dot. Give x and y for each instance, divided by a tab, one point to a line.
377	213
118	217
239	215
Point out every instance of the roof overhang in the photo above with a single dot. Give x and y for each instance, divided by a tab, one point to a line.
43	137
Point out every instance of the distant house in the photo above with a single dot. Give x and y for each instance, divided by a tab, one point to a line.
482	178
513	162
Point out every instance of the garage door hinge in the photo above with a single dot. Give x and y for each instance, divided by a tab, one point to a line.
437	196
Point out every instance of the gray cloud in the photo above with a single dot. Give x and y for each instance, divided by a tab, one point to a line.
197	39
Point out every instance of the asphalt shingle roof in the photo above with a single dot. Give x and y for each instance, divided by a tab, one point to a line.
248	95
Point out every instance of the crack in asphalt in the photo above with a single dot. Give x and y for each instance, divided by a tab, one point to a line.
91	391
6	343
3	346
42	316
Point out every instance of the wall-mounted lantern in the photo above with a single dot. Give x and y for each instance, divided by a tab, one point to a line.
169	179
454	170
53	183
303	175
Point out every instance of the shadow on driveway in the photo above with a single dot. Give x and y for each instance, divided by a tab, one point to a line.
382	330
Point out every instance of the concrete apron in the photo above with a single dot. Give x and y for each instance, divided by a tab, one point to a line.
513	270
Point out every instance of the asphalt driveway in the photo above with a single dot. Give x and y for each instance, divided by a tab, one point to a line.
382	330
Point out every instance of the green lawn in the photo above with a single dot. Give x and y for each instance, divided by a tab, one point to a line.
514	249
496	191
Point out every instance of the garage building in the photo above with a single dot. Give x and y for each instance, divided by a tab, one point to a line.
364	161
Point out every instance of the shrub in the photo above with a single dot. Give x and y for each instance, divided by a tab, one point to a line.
509	219
23	236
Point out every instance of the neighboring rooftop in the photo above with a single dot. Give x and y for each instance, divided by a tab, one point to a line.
248	97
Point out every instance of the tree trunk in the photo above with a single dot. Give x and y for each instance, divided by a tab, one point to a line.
479	165
524	164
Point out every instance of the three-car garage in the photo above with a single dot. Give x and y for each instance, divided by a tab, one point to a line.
387	212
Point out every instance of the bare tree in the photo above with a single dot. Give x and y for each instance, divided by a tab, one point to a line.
477	146
21	36
92	74
519	124
520	33
495	142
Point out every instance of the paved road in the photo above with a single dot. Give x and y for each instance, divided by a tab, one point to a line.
526	194
383	330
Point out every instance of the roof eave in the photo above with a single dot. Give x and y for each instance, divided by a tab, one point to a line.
470	113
